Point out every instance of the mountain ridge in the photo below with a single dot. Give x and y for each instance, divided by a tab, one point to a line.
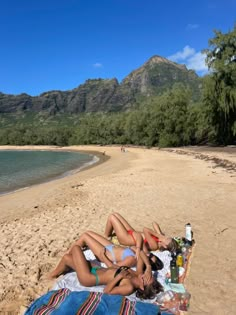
154	77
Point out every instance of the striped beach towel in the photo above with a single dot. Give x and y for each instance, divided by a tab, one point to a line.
66	302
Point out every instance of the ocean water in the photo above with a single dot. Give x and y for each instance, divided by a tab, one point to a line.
20	169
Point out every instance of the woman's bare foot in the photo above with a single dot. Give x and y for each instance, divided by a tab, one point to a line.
51	276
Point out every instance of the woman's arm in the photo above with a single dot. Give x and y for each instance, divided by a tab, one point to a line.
157	228
139	239
124	289
145	259
103	258
143	263
129	261
153	238
152	232
139	242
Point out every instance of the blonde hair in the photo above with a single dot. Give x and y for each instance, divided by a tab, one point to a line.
172	246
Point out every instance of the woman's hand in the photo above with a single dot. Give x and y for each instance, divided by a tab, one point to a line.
103	258
148	274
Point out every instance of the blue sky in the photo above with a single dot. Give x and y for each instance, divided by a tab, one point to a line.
58	44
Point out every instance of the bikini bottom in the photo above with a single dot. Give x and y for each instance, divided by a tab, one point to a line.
110	249
94	272
131	232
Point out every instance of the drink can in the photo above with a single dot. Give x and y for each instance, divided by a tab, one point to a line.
179	260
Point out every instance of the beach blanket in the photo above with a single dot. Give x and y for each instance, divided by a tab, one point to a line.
66	302
71	281
170	299
68	296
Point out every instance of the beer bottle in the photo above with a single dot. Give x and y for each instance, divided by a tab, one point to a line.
174	270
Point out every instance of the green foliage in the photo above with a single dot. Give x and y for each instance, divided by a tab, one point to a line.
176	117
159	121
220	87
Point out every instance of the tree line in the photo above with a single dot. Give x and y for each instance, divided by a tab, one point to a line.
172	119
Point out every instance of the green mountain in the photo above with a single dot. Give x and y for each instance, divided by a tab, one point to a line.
106	95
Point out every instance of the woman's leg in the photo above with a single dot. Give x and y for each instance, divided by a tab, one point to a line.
90	242
76	243
123	221
82	267
64	265
121	227
93	244
77	261
101	239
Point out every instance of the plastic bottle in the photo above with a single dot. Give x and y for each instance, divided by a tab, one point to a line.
188	234
180	260
164	297
184	301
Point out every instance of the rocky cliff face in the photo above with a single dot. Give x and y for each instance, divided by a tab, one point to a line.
154	77
158	74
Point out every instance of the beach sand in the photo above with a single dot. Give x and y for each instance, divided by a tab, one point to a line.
173	187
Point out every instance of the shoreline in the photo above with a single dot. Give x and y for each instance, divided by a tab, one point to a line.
101	158
38	225
44	189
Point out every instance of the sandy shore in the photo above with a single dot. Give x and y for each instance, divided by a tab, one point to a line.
173	187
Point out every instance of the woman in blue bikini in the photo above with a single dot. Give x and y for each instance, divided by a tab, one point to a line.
106	251
117	279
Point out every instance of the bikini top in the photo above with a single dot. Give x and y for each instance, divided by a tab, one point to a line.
118	271
127	252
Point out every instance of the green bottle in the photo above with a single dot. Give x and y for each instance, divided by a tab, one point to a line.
174	270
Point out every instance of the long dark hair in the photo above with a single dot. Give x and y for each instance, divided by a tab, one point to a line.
155	262
150	291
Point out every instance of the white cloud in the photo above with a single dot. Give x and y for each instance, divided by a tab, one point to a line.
182	55
97	65
192	59
192	26
197	62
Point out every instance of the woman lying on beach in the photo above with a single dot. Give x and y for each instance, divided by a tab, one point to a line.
147	240
117	280
105	250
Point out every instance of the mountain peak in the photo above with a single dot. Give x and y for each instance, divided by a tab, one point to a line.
154	77
158	59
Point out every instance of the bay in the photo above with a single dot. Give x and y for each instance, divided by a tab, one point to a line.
20	169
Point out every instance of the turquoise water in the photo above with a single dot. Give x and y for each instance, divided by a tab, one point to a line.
19	169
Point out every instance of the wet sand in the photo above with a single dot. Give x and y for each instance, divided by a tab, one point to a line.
173	187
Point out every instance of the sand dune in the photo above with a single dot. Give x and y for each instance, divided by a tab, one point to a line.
172	187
